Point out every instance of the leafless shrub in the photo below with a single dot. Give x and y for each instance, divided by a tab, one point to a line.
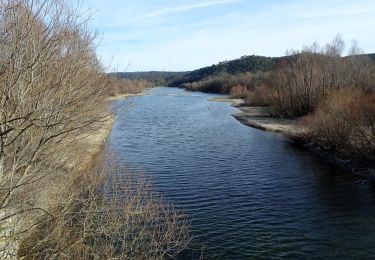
220	83
305	77
363	136
124	86
330	124
345	121
238	91
109	212
238	85
261	95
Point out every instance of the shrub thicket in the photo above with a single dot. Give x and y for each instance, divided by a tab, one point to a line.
118	86
345	122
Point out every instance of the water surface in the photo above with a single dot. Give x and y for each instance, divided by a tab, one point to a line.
249	193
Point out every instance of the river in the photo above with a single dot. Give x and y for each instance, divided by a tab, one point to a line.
249	193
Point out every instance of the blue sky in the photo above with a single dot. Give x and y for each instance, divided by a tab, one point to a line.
141	35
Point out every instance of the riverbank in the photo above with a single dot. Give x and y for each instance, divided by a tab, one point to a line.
89	145
81	153
227	175
261	118
124	96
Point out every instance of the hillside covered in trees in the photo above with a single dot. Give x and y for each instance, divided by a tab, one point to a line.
236	76
245	64
372	56
227	77
156	78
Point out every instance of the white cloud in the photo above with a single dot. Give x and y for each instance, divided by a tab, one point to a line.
202	37
183	8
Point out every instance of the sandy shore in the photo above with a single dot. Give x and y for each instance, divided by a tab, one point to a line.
124	96
234	101
260	117
88	145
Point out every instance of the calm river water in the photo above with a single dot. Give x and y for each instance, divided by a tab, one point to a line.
248	193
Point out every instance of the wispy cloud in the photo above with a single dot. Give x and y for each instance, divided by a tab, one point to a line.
188	7
188	34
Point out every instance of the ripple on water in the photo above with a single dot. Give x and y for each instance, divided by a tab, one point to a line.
248	193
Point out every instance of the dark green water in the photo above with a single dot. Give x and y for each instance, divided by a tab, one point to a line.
249	193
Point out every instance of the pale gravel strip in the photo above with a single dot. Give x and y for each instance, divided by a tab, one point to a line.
260	117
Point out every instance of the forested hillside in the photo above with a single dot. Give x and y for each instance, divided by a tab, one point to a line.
218	78
157	78
251	63
372	56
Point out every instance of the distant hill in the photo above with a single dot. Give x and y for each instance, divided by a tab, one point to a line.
369	55
158	78
251	63
372	56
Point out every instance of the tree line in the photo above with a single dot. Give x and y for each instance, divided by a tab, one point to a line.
245	64
119	86
193	80
155	78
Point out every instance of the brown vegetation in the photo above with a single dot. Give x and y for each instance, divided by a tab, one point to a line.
305	77
335	95
120	86
260	95
250	86
53	91
218	84
51	88
345	122
104	213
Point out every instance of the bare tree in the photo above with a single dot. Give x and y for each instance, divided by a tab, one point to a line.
306	76
53	90
297	87
51	87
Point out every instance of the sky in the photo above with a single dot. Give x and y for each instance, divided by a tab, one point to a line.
181	35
